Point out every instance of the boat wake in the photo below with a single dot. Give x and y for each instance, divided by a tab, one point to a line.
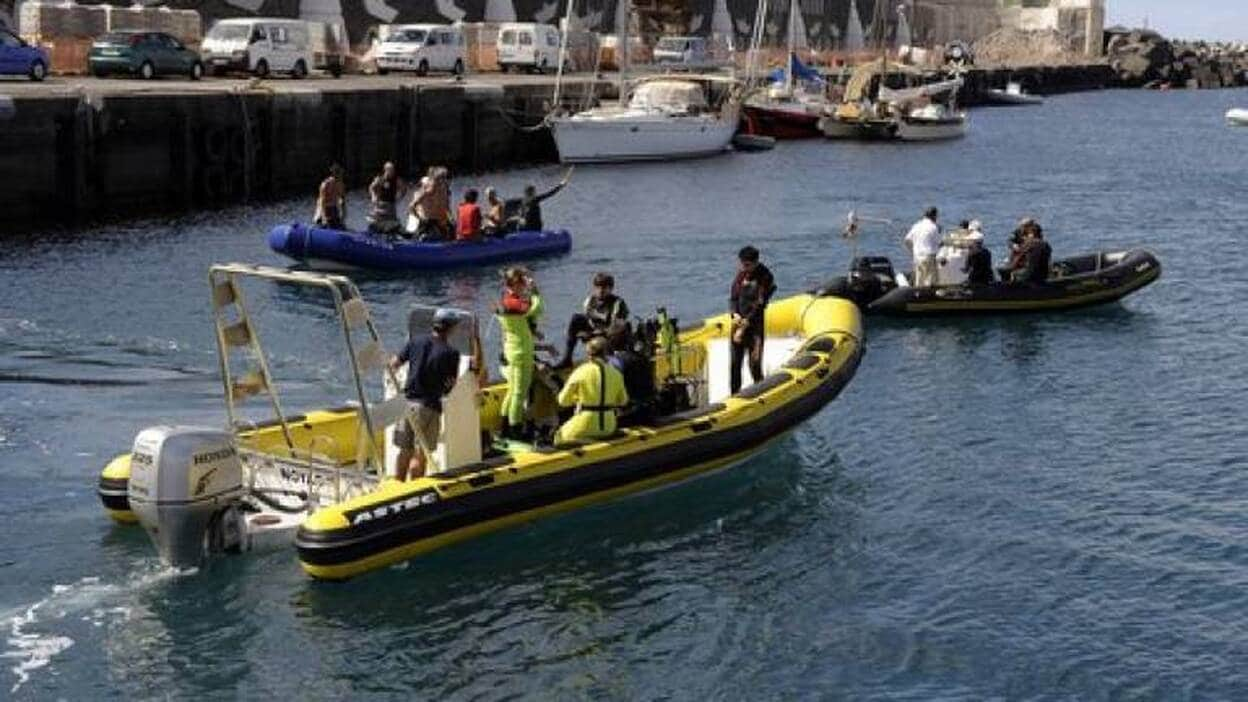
31	646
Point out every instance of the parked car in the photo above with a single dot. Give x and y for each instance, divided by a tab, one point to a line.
422	48
17	58
143	54
528	46
681	50
259	46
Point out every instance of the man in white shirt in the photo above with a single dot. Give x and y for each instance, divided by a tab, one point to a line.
923	242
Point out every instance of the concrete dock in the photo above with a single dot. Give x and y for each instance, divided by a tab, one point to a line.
74	150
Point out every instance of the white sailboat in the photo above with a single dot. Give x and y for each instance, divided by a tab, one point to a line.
657	118
785	109
928	112
1237	117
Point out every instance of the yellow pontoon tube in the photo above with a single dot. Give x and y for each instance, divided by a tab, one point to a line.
815	345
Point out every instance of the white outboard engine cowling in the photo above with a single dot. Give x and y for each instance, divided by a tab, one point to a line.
185	487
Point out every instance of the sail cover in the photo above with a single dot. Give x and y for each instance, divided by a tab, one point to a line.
800	72
674	94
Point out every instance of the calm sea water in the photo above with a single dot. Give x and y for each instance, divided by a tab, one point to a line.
1045	507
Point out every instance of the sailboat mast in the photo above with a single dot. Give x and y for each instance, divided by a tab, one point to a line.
563	52
788	59
756	43
625	59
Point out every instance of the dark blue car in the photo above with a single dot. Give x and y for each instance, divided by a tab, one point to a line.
17	58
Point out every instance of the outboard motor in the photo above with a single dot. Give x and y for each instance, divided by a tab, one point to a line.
185	489
870	277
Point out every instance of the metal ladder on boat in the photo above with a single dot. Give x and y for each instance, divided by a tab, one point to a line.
237	336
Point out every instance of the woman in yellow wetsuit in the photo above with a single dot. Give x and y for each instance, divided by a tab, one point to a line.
597	391
517	312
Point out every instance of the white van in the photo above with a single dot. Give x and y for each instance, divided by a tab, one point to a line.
528	46
422	48
258	45
689	51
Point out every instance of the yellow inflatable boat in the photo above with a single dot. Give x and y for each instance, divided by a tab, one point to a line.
319	478
813	348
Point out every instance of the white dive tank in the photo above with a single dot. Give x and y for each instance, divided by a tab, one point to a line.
185	486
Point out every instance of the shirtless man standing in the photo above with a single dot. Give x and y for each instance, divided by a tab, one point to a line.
331	201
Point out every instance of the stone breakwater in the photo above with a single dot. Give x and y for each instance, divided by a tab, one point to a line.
1143	58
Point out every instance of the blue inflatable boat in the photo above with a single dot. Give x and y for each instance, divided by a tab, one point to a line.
330	249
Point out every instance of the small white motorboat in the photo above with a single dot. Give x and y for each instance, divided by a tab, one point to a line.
922	113
1237	117
1012	95
933	122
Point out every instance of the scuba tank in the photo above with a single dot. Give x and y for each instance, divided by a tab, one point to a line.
667	341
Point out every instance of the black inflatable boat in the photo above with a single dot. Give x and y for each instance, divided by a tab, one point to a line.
1082	281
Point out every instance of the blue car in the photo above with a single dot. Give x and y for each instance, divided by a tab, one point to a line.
17	58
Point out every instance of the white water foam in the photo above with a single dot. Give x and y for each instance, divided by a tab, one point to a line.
33	648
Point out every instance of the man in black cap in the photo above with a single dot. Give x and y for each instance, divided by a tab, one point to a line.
433	367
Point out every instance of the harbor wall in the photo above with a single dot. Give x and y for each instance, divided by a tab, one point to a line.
81	158
73	159
1037	80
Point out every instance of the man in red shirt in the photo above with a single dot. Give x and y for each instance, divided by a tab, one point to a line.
468	224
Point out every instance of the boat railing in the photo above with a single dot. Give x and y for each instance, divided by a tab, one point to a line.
309	471
237	334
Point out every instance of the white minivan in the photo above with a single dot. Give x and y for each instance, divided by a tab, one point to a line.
528	46
422	48
258	45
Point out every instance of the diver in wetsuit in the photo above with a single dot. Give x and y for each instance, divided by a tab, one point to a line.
597	391
530	206
628	357
751	290
599	311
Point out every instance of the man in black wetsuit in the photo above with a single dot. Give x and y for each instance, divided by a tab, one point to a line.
638	372
528	209
599	311
752	289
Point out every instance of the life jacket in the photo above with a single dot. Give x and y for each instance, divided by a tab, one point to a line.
517	318
602	315
606	378
468	224
514	303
